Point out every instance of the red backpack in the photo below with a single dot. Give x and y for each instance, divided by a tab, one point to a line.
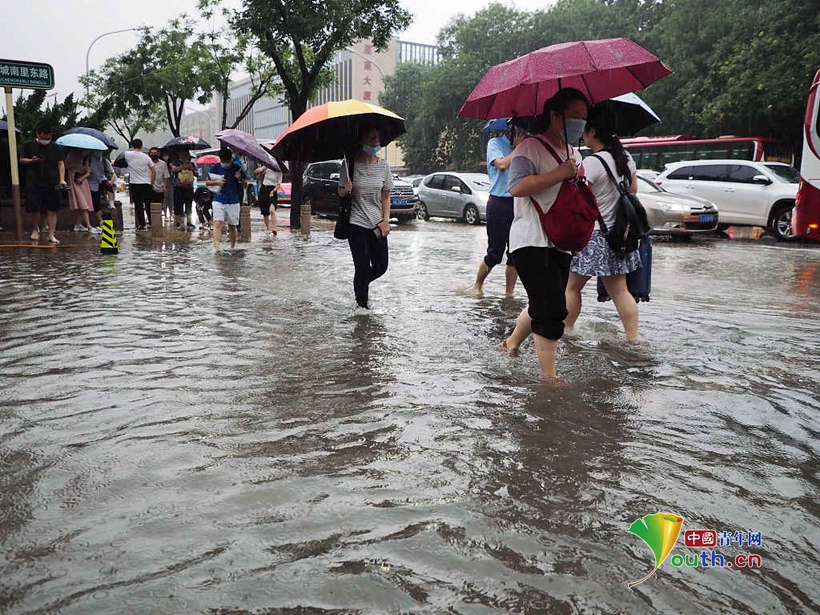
571	219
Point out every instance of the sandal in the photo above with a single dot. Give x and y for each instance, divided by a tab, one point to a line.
53	240
35	235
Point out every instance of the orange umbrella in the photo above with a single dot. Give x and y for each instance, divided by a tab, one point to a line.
331	130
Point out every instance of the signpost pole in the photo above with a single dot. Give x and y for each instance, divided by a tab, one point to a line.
15	172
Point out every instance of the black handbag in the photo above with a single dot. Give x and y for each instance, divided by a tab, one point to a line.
631	224
342	230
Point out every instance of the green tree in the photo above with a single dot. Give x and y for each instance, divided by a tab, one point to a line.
300	38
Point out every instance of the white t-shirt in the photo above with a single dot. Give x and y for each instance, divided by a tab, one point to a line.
160	175
139	167
534	159
602	187
271	177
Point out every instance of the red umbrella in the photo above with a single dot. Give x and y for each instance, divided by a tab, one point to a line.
600	69
207	159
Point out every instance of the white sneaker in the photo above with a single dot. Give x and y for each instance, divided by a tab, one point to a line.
96	230
78	228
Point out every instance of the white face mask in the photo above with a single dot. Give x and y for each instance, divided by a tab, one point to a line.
43	141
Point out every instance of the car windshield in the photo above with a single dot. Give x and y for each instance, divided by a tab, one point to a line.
482	185
784	173
644	185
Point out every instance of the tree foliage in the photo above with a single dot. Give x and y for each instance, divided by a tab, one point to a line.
300	38
741	67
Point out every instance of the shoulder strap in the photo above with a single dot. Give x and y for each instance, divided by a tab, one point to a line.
618	185
549	149
631	215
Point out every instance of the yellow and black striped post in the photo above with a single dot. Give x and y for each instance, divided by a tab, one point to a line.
108	240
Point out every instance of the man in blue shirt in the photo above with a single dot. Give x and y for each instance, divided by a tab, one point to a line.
226	201
500	211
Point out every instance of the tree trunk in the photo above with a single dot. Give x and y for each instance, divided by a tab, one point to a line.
296	168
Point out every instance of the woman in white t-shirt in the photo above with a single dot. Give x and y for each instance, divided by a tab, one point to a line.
597	258
543	269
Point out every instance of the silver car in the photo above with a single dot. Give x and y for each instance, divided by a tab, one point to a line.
454	195
675	214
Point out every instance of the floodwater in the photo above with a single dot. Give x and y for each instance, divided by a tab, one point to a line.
184	432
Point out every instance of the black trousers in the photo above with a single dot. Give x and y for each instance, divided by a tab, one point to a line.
370	258
141	197
544	272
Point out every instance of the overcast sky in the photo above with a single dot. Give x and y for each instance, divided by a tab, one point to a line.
58	32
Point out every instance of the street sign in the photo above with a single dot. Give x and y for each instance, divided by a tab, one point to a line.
26	75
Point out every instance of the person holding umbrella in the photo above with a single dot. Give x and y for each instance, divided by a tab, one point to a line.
226	201
598	258
369	181
535	174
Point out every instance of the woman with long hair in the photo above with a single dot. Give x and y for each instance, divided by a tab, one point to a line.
370	185
536	174
598	258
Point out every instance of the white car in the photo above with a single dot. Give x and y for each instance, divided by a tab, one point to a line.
675	214
746	192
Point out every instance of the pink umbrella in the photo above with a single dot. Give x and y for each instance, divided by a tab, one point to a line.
207	159
600	69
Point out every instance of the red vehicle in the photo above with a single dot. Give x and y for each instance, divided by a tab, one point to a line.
806	213
283	196
656	152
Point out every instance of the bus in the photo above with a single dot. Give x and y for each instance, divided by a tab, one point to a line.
656	152
806	212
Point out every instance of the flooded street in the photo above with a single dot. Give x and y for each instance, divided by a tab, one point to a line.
185	432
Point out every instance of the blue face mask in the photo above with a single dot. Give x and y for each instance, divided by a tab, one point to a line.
575	130
371	151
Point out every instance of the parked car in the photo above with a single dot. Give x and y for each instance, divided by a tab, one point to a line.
454	195
415	181
648	174
746	192
321	184
675	214
283	195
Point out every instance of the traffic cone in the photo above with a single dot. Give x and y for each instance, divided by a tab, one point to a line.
108	240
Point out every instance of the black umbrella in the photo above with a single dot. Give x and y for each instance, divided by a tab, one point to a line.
97	134
120	161
187	143
630	113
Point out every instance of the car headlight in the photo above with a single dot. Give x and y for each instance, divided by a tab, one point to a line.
676	207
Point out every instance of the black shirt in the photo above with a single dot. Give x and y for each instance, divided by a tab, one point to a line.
43	174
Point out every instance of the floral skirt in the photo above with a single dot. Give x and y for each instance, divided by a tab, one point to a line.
598	259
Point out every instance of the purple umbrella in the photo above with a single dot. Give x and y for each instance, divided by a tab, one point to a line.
4	126
244	143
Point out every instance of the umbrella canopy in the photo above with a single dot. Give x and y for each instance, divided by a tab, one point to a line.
81	141
245	143
207	159
120	161
97	134
4	126
331	130
268	145
187	143
500	124
600	69
630	112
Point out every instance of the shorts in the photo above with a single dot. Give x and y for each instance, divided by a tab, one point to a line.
226	212
40	199
544	273
267	197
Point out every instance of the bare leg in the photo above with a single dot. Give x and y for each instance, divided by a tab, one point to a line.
575	285
511	276
86	220
625	304
217	233
51	224
232	234
523	328
273	219
546	349
477	289
35	225
267	224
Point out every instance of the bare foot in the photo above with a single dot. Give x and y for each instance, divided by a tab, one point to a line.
635	340
512	351
474	291
54	240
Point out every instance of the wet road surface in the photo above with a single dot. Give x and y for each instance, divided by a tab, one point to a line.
184	432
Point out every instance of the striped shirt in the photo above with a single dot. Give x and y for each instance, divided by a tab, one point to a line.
368	182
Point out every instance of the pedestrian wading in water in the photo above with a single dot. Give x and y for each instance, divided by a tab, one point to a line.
543	268
369	182
598	258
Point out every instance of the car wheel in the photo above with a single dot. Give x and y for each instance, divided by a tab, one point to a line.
471	215
422	213
782	222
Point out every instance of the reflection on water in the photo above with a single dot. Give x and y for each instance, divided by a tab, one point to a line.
188	432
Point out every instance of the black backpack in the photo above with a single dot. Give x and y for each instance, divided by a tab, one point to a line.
631	225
